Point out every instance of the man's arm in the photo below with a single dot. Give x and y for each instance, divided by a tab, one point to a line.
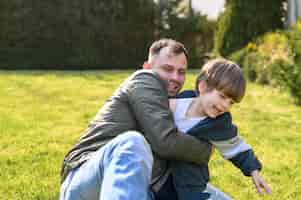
149	103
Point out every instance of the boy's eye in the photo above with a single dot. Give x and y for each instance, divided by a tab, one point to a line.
222	95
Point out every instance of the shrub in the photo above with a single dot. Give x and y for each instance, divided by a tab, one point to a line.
274	59
289	75
292	78
272	47
246	58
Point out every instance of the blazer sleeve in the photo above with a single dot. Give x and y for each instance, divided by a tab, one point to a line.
149	103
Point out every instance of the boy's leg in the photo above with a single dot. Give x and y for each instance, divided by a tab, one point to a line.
190	180
215	193
119	170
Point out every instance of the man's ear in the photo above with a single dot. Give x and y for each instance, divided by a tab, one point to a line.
146	65
202	87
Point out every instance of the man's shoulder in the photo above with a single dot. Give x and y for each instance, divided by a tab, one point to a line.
144	73
144	83
145	77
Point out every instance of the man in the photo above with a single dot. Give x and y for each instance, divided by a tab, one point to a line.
133	135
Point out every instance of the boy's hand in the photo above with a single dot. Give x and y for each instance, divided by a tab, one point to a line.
260	183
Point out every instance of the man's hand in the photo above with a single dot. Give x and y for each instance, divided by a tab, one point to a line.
259	183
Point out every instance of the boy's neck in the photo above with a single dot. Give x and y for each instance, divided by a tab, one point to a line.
194	109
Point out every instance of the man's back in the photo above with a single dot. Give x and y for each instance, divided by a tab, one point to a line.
114	118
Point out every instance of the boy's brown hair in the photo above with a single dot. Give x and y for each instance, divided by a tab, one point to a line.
225	76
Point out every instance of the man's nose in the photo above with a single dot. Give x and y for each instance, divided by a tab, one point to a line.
175	76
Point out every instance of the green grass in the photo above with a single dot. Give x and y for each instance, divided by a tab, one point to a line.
43	113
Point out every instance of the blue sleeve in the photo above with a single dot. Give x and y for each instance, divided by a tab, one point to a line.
215	129
222	133
246	162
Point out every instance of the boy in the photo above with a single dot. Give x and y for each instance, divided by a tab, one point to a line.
219	85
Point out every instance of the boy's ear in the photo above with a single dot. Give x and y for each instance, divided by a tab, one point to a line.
202	87
146	65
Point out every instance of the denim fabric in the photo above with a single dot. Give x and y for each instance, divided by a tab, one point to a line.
119	170
215	193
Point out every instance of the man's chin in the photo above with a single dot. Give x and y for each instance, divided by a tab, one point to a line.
172	93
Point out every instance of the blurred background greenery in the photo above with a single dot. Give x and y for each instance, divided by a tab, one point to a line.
113	34
107	34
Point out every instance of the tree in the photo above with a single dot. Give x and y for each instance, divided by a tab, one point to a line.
176	19
97	34
243	21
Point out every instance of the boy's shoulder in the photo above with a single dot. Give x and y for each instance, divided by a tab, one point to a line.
215	129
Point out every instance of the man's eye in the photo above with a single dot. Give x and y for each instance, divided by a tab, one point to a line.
182	72
168	69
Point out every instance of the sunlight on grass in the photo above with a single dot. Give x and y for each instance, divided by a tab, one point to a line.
44	112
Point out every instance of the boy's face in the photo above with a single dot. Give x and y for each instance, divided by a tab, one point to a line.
214	103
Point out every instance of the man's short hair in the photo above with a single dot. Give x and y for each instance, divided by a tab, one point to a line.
174	46
225	76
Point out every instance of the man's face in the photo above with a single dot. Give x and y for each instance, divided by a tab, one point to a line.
215	103
171	68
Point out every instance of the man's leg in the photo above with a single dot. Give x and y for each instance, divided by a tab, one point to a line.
215	193
120	170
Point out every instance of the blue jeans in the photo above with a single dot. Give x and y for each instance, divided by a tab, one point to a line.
120	170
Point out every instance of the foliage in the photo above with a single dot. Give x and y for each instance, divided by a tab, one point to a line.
273	47
293	75
197	35
247	60
176	19
43	115
274	59
243	21
74	34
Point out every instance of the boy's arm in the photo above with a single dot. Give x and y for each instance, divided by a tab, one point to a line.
246	161
259	183
223	135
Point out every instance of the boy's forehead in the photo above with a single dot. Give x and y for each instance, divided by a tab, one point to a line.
224	93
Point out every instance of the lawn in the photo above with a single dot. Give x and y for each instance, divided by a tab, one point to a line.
43	113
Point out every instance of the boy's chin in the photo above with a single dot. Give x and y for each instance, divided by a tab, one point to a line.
212	116
215	115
